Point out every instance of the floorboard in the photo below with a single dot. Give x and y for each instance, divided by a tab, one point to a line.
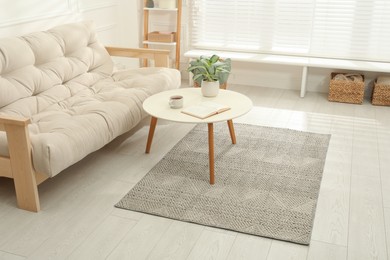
79	221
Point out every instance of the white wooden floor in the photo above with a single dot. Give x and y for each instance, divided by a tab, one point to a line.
78	220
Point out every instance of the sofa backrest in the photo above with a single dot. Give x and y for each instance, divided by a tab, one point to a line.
43	68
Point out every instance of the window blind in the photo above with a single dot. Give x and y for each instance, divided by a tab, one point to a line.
351	29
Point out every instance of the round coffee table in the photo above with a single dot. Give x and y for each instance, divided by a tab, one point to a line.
158	107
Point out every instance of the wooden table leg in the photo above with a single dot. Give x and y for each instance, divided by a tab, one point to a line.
211	152
231	130
153	122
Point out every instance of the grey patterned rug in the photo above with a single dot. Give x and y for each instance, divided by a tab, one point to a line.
266	185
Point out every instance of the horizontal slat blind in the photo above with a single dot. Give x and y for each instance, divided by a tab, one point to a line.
355	29
352	29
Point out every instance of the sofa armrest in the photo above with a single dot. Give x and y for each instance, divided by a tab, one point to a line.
19	165
160	57
7	124
14	121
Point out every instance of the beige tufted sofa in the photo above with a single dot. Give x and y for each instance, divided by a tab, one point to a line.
61	99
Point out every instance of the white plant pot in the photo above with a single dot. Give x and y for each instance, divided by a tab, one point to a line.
210	88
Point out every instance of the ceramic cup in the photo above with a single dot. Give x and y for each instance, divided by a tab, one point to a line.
176	101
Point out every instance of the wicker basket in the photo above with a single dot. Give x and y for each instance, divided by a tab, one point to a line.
222	86
381	94
346	91
161	37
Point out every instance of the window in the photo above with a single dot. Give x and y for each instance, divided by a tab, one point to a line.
350	29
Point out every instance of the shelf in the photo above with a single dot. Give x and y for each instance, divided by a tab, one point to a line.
160	43
160	9
176	11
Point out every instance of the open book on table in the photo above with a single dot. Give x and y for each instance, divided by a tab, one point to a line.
205	109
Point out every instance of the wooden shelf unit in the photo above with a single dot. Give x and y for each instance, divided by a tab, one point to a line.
176	44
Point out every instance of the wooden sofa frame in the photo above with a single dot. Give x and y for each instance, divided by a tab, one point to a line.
19	167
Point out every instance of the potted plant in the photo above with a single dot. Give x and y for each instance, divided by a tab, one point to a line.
210	73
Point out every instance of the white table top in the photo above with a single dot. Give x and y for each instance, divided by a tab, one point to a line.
158	105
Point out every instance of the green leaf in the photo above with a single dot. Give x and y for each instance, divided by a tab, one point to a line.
210	69
199	67
214	58
205	63
196	77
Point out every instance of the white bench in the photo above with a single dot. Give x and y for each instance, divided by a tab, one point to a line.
301	61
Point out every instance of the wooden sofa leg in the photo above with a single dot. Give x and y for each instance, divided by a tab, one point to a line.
22	170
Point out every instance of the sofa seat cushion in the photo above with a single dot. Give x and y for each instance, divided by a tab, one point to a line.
67	131
64	81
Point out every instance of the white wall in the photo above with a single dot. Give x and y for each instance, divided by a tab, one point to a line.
117	21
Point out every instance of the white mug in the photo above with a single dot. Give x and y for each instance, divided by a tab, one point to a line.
176	101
